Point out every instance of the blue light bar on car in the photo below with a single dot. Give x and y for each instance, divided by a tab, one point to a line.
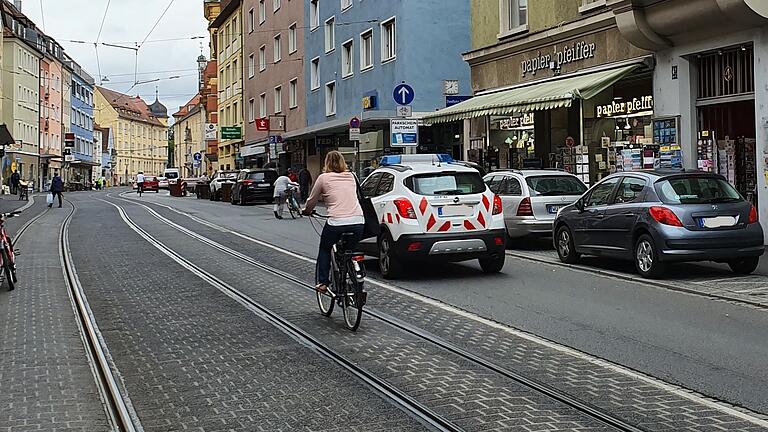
416	158
390	160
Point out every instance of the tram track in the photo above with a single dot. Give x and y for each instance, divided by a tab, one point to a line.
116	404
564	398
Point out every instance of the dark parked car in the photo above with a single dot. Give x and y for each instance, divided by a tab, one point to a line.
254	184
660	217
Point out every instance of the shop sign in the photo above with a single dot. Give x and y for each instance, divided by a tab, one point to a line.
369	102
561	56
405	133
228	133
516	122
623	108
211	133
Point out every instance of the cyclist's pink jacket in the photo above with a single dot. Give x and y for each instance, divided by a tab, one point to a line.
339	193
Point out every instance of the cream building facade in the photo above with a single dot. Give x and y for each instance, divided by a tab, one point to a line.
189	137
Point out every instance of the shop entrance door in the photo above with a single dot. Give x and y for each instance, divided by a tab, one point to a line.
734	127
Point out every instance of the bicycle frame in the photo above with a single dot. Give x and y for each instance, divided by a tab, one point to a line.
7	244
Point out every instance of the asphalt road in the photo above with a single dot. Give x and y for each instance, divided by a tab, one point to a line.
713	347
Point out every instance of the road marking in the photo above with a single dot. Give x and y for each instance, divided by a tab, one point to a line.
741	413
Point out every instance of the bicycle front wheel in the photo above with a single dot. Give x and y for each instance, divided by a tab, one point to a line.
10	276
292	209
325	301
352	303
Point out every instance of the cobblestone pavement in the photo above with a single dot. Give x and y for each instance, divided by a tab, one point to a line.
46	383
466	394
193	359
639	400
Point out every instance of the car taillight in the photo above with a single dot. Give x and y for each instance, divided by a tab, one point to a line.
525	208
497	205
415	246
753	215
405	208
665	216
499	241
247	182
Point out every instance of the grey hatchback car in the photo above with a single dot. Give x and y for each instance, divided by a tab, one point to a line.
660	217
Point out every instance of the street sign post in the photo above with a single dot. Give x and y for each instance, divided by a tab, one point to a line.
68	156
231	132
69	139
197	157
405	133
403	94
404	111
211	133
354	129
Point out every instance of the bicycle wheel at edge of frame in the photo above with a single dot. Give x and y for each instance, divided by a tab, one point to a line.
353	313
8	269
326	310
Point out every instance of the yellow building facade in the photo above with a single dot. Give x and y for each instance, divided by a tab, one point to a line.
140	138
229	47
189	137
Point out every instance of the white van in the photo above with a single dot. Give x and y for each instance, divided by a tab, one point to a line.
172	174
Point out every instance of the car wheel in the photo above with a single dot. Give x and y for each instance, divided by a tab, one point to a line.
212	195
242	201
647	258
566	248
744	266
493	264
389	265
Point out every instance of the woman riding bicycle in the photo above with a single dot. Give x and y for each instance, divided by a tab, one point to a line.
337	188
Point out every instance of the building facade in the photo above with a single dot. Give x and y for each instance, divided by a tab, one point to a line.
51	98
189	138
140	138
102	138
228	43
82	121
21	94
273	76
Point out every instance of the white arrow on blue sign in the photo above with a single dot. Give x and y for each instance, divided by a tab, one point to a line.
198	157
403	94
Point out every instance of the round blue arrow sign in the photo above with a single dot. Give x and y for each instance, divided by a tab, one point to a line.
403	94
198	157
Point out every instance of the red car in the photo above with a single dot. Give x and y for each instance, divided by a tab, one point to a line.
151	183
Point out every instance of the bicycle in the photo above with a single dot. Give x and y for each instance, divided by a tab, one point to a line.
7	252
139	188
346	288
293	203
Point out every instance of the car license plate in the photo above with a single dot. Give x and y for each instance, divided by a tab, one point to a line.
263	185
454	210
717	222
553	209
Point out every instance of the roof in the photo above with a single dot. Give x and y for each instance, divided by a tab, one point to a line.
531	172
129	107
158	109
226	11
184	110
426	167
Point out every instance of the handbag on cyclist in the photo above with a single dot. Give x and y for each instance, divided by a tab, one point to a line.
372	227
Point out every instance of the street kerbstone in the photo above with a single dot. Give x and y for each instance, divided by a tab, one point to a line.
593	383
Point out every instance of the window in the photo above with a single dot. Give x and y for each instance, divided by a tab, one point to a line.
263	105
275	5
601	194
346	4
366	50
262	58
347	59
277	55
292	39
262	12
697	190
314	73
388	40
631	190
386	184
330	34
446	184
278	99
251	21
293	93
515	13
314	14
330	98
251	110
370	185
235	73
251	66
588	5
557	185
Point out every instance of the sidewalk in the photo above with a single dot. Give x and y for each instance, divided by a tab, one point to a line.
46	383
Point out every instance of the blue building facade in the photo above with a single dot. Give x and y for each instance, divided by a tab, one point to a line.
358	51
82	116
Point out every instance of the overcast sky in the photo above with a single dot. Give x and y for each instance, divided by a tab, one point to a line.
128	22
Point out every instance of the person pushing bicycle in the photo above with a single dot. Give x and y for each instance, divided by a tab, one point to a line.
337	188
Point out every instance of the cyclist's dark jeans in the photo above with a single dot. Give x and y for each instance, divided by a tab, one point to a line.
330	236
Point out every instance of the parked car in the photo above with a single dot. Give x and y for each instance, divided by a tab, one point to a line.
254	184
172	174
162	183
220	178
432	208
661	217
532	198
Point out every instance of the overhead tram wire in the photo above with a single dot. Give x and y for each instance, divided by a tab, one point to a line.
98	36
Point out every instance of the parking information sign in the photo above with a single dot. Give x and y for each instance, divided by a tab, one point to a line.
405	133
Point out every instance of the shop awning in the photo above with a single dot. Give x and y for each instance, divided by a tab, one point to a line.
535	97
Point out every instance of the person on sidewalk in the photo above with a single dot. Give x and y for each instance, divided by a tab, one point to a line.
15	179
281	194
305	183
57	189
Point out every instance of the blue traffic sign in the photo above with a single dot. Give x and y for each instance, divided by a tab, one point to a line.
198	157
403	94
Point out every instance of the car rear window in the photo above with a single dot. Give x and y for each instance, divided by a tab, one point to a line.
172	175
555	185
446	184
263	176
697	190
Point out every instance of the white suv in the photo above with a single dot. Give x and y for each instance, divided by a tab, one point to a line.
433	208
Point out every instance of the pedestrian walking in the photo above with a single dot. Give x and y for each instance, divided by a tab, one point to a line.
57	189
15	179
281	194
305	183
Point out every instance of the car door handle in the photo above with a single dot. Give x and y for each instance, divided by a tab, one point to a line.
628	214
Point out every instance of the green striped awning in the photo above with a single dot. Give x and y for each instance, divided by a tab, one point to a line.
536	97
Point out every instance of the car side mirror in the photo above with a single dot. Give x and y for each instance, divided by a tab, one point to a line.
579	204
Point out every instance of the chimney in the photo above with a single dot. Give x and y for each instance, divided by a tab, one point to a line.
17	4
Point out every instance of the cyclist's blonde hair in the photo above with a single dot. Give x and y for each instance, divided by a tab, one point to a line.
334	162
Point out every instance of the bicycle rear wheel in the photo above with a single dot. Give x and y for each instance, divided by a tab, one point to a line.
325	301
10	276
352	304
291	209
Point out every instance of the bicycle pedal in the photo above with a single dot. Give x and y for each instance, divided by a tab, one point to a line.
17	252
